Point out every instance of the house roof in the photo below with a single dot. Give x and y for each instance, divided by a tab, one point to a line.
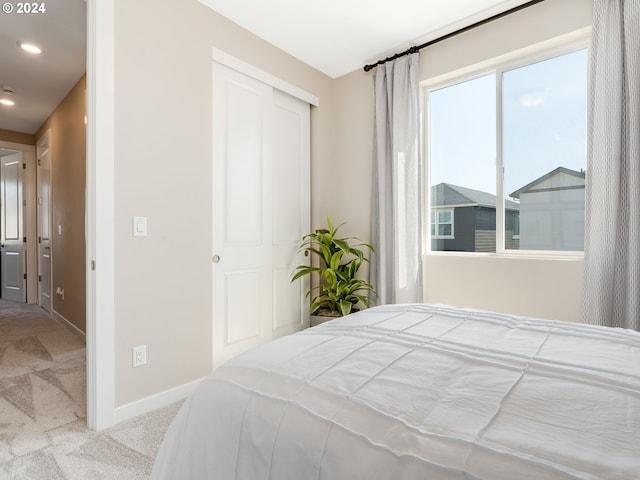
558	171
448	195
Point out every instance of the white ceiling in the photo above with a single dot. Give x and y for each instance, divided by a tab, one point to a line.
333	36
40	81
340	36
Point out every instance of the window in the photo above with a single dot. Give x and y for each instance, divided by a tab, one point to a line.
442	223
527	121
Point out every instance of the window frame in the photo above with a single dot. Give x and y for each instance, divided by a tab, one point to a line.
547	50
452	223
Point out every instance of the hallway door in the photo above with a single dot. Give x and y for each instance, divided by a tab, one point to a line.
12	280
44	223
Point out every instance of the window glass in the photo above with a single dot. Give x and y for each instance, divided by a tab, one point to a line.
462	151
544	153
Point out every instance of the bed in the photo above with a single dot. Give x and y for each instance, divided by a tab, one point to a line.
418	392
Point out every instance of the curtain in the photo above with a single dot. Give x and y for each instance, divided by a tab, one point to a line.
612	228
396	201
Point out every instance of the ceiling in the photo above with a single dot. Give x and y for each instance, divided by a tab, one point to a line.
40	81
333	36
340	36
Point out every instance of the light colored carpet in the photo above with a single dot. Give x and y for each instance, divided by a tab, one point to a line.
43	431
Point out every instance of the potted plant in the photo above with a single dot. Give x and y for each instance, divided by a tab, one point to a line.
337	291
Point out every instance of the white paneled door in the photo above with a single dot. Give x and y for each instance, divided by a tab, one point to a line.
260	211
12	259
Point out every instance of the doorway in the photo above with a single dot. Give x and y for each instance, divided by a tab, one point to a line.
18	270
37	195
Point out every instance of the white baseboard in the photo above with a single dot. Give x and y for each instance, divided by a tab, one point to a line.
154	402
67	323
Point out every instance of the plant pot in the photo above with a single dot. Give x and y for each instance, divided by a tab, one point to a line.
322	315
315	320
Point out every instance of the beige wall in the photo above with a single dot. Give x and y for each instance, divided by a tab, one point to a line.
17	137
342	183
549	288
163	63
67	144
163	171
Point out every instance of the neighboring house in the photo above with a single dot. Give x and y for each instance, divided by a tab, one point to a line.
464	220
552	211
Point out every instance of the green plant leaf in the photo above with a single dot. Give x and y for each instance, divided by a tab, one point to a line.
335	260
345	307
336	266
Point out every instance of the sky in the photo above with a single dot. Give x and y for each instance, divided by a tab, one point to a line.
544	118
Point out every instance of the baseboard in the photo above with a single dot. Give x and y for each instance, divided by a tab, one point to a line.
154	402
67	324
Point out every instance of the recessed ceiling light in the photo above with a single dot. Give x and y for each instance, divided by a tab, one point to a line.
7	102
31	48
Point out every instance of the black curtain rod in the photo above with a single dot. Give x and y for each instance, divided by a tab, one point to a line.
417	48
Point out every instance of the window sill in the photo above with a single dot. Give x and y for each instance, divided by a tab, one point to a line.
516	255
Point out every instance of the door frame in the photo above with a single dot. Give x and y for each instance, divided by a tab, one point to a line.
100	220
29	218
245	68
44	140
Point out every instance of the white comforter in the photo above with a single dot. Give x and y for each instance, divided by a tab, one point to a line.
418	392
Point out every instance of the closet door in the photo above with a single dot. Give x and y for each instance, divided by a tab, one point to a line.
260	211
290	211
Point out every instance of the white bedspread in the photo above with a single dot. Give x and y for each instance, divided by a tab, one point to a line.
418	392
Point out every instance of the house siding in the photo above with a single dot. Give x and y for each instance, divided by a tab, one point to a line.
485	218
464	233
485	241
510	243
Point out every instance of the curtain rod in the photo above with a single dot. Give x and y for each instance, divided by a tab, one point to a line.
417	48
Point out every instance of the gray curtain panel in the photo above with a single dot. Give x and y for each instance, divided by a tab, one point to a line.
396	201
612	230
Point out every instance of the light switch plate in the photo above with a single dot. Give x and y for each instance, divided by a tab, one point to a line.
139	226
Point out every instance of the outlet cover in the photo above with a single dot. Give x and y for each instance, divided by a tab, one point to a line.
139	356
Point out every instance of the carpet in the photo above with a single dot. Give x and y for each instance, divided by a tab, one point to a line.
43	431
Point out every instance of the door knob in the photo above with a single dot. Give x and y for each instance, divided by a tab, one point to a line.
216	259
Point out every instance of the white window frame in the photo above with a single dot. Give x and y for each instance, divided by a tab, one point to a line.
556	47
453	221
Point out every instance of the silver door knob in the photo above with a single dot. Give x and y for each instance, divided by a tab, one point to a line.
216	259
